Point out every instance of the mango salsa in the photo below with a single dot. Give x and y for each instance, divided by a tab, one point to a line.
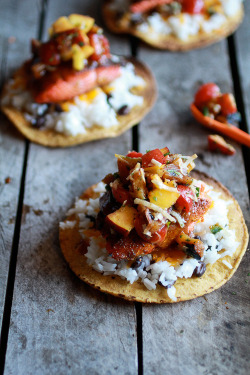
163	198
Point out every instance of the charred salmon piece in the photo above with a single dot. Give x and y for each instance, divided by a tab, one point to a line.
129	247
65	83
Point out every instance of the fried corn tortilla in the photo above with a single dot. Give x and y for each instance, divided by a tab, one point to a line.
73	249
170	42
51	138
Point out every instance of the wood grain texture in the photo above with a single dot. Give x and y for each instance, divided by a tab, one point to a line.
58	324
208	335
12	145
242	40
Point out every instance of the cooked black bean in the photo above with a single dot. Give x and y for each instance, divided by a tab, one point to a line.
200	269
136	19
58	108
168	285
108	204
197	237
140	263
190	250
39	122
124	110
90	217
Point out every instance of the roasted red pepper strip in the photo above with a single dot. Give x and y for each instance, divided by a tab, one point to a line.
227	129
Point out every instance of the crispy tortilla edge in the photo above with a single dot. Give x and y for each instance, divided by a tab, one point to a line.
172	43
186	289
50	138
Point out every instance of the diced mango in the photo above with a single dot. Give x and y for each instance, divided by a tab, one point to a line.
79	54
163	198
60	25
84	23
77	57
122	220
155	170
90	96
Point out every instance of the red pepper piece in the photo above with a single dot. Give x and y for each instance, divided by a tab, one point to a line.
217	143
186	198
153	154
134	154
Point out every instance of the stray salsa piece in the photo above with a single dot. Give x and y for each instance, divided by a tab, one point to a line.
217	143
216	105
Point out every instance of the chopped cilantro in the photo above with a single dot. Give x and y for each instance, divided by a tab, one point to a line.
205	111
197	191
155	198
215	228
168	223
167	153
174	172
211	11
81	44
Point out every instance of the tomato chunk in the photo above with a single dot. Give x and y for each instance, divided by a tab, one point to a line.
193	6
227	103
121	194
134	154
154	154
157	236
186	198
206	92
101	46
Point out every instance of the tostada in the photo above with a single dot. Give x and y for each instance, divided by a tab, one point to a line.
176	25
151	232
73	90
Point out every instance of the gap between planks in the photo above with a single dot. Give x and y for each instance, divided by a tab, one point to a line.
134	43
16	236
234	65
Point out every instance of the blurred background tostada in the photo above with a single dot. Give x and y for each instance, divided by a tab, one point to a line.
73	90
174	24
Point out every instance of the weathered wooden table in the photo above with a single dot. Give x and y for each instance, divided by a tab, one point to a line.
52	323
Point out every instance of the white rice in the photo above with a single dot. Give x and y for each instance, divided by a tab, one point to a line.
162	271
82	114
185	25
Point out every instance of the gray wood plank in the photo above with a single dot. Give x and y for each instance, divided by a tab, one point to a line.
209	335
12	46
242	41
58	324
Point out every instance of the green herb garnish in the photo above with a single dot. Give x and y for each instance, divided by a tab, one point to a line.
205	111
215	228
197	191
155	198
167	153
